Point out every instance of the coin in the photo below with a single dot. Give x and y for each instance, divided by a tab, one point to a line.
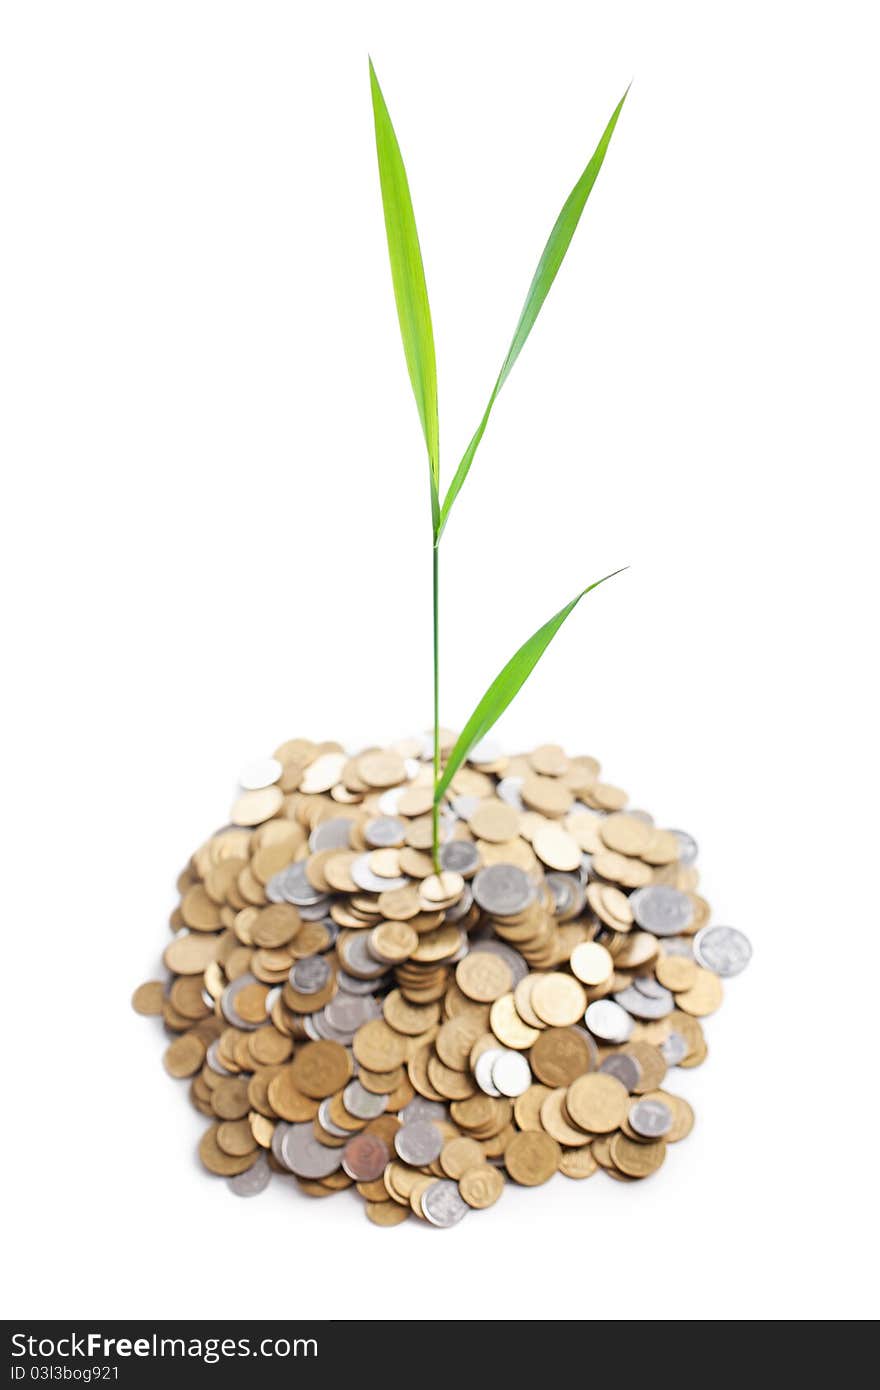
661	910
558	999
560	1055
650	1118
364	1157
442	1203
597	1102
253	1180
722	949
532	1158
386	1213
608	1021
304	1155
592	963
704	995
578	1163
418	1142
502	890
260	774
148	998
319	1069
634	1159
511	1074
507	1025
483	977
481	1186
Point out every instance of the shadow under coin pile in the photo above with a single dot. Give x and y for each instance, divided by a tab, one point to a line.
351	1019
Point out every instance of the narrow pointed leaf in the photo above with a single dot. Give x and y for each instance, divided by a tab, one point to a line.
408	279
506	685
554	253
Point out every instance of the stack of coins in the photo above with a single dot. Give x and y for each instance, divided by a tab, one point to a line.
349	1018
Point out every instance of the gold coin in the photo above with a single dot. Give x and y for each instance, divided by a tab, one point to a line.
634	1159
549	797
252	808
522	1000
457	1036
268	1047
559	1056
481	1186
592	963
597	1102
459	1155
483	976
532	1158
199	911
527	1107
704	995
442	888
190	953
415	801
494	821
235	1137
148	997
393	941
652	1064
386	1213
625	834
558	999
216	1161
556	848
185	1055
454	1085
507	1025
554	1122
381	768
578	1163
407	1018
662	848
230	1098
377	1047
320	1068
677	973
250	1003
632	873
549	760
275	925
384	863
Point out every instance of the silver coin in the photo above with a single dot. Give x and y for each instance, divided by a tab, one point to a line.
373	883
464	806
462	906
356	957
331	834
272	999
295	887
350	984
485	751
314	912
650	1118
348	1012
325	1122
460	857
511	1073
661	909
641	1006
388	801
227	1003
384	832
503	889
418	1143
421	1109
725	950
483	1070
650	986
674	1049
312	1026
263	773
624	1067
361	1103
253	1180
304	1155
443	1204
310	975
688	849
273	889
678	946
608	1021
281	1128
214	1062
509	789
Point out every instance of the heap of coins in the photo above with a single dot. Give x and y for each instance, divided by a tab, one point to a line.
350	1018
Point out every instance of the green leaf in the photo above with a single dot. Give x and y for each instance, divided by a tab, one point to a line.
506	685
410	290
553	255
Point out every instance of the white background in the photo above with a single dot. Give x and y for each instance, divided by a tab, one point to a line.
215	536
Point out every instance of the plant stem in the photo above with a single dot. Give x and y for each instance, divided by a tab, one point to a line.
435	810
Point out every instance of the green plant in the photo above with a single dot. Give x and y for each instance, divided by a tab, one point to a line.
414	314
